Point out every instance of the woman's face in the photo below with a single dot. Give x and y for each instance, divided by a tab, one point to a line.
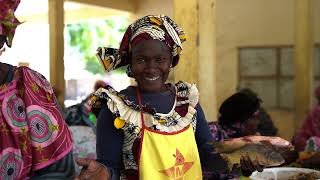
151	60
250	127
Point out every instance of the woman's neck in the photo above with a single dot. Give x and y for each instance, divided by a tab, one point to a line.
4	71
164	88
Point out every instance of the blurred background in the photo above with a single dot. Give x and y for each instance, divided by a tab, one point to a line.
269	46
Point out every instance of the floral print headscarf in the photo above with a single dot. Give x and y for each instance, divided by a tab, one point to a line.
8	21
159	27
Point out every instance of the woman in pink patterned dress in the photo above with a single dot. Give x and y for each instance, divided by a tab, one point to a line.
307	137
34	140
310	127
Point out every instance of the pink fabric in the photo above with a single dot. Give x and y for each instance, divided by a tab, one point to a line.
33	134
310	127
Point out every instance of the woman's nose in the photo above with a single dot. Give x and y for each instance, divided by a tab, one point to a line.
151	64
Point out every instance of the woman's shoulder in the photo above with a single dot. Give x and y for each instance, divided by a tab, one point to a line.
115	101
32	77
25	69
183	84
187	91
129	91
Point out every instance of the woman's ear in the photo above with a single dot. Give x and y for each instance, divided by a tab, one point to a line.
171	63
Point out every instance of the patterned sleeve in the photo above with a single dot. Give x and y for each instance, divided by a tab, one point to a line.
109	142
51	140
209	160
216	132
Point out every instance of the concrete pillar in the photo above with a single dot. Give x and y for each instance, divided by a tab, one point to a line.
207	58
56	28
186	15
197	64
303	58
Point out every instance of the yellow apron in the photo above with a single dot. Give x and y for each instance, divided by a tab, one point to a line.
168	156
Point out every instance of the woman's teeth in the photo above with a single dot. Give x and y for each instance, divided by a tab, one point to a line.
152	79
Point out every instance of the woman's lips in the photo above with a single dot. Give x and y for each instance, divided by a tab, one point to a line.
152	78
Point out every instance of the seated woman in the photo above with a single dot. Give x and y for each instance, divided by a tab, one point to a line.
266	126
310	126
153	129
307	137
34	140
239	116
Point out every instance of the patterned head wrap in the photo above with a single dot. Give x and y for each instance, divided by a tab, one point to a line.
160	27
8	22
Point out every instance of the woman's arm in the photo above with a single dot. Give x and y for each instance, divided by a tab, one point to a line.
109	142
209	160
62	169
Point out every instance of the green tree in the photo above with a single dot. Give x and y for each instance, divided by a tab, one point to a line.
85	37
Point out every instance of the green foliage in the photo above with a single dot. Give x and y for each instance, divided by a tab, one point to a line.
85	37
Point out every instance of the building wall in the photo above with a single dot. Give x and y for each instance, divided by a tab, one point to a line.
254	23
152	7
248	23
316	21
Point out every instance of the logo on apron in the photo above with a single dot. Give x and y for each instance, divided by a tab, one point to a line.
179	169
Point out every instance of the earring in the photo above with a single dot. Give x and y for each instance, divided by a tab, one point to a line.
129	71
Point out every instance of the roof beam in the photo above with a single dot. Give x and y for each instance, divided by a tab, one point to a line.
75	15
123	5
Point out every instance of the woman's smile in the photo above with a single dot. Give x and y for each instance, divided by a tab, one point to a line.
152	78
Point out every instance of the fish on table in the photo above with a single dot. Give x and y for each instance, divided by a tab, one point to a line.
231	144
263	149
264	155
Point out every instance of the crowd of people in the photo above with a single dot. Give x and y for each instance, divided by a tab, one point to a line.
142	132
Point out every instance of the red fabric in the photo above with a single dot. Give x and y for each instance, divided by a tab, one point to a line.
125	46
310	127
6	6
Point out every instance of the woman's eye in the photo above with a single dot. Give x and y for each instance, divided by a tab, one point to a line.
140	60
160	59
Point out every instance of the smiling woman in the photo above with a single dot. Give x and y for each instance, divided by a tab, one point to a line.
155	129
150	47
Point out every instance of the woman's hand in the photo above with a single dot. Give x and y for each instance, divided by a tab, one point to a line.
92	170
290	156
248	166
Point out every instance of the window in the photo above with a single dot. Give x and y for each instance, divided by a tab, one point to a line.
269	71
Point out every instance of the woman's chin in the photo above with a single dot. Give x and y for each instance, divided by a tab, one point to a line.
152	87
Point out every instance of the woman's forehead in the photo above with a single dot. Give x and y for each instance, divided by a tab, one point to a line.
150	47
